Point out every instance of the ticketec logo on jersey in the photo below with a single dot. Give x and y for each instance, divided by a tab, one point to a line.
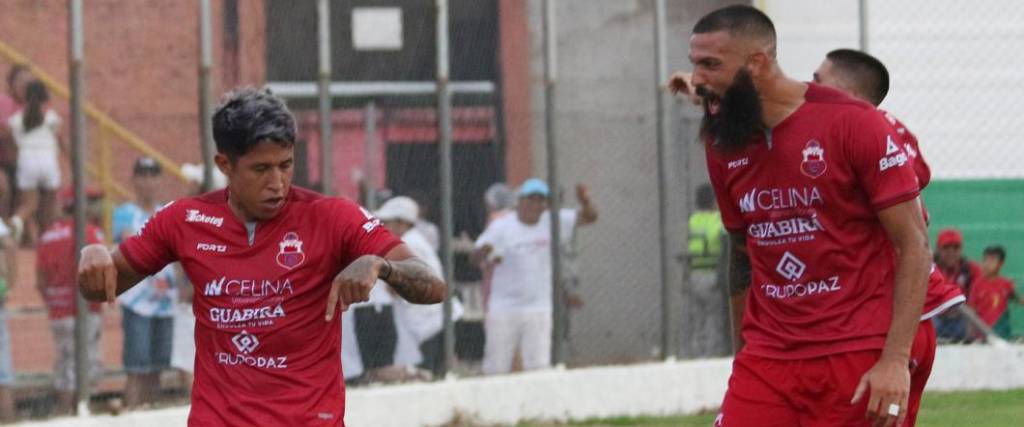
193	215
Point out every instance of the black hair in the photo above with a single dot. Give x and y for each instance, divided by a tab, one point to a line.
249	116
868	75
738	20
12	74
35	96
996	251
705	197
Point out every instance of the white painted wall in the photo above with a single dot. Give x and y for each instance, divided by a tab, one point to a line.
650	389
957	77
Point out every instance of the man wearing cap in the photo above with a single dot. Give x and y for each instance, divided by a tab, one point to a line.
518	305
421	324
148	308
950	260
55	281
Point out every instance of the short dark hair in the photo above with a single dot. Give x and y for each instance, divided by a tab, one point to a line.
705	197
868	75
997	251
249	116
739	19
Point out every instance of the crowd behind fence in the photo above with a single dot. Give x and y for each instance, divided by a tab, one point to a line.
628	268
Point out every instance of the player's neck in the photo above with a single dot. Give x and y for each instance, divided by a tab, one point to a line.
781	96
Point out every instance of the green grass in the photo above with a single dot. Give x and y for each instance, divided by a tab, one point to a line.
975	409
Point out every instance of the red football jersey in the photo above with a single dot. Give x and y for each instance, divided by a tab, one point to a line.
942	294
807	196
55	257
264	354
990	296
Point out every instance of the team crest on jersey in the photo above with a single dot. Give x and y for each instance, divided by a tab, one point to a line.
290	255
813	164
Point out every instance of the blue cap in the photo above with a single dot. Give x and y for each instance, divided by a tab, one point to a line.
534	186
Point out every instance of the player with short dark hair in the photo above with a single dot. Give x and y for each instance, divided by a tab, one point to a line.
830	255
270	264
864	76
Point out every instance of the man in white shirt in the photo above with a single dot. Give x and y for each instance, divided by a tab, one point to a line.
519	301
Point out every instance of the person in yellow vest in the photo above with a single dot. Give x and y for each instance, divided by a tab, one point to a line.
705	315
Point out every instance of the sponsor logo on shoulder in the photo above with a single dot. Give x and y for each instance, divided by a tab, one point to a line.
894	156
211	247
193	215
371	221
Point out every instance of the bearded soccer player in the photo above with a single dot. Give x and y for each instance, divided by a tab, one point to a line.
829	245
865	77
271	264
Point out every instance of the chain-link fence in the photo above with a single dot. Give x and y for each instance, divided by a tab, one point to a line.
641	260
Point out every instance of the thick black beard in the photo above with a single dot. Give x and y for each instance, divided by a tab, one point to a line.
739	116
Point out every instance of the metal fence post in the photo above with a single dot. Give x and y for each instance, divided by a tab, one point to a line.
205	93
559	345
77	84
326	144
668	349
444	133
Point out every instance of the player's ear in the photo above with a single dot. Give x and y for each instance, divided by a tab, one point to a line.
759	63
223	163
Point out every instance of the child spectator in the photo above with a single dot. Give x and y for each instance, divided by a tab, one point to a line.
992	293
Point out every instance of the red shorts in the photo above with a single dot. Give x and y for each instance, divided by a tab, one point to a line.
814	392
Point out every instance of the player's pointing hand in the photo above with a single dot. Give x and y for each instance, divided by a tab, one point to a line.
354	283
97	275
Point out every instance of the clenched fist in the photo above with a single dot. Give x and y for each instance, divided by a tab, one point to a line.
97	275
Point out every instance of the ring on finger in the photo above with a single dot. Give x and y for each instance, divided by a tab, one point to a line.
894	409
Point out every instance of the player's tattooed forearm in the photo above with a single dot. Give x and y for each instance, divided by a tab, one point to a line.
739	268
416	282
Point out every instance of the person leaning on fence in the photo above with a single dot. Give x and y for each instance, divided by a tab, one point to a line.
11	102
957	269
991	293
519	305
707	322
148	308
55	272
8	274
36	131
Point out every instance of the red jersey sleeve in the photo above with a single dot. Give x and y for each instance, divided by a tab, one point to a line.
879	160
732	219
153	248
360	233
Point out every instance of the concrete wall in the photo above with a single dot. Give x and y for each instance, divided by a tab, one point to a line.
656	389
605	130
141	63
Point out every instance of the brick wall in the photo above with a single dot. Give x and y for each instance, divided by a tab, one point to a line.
141	64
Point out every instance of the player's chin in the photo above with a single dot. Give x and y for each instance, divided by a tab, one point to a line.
269	208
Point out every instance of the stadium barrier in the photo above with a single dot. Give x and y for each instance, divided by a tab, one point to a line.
677	387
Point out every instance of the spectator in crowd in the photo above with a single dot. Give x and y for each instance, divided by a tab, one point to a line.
520	304
148	308
991	293
949	259
56	271
707	322
11	102
422	323
499	200
36	131
7	281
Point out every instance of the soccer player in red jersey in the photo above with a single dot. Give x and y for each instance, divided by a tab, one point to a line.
271	264
829	245
865	77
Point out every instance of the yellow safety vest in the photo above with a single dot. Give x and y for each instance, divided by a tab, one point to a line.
705	239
